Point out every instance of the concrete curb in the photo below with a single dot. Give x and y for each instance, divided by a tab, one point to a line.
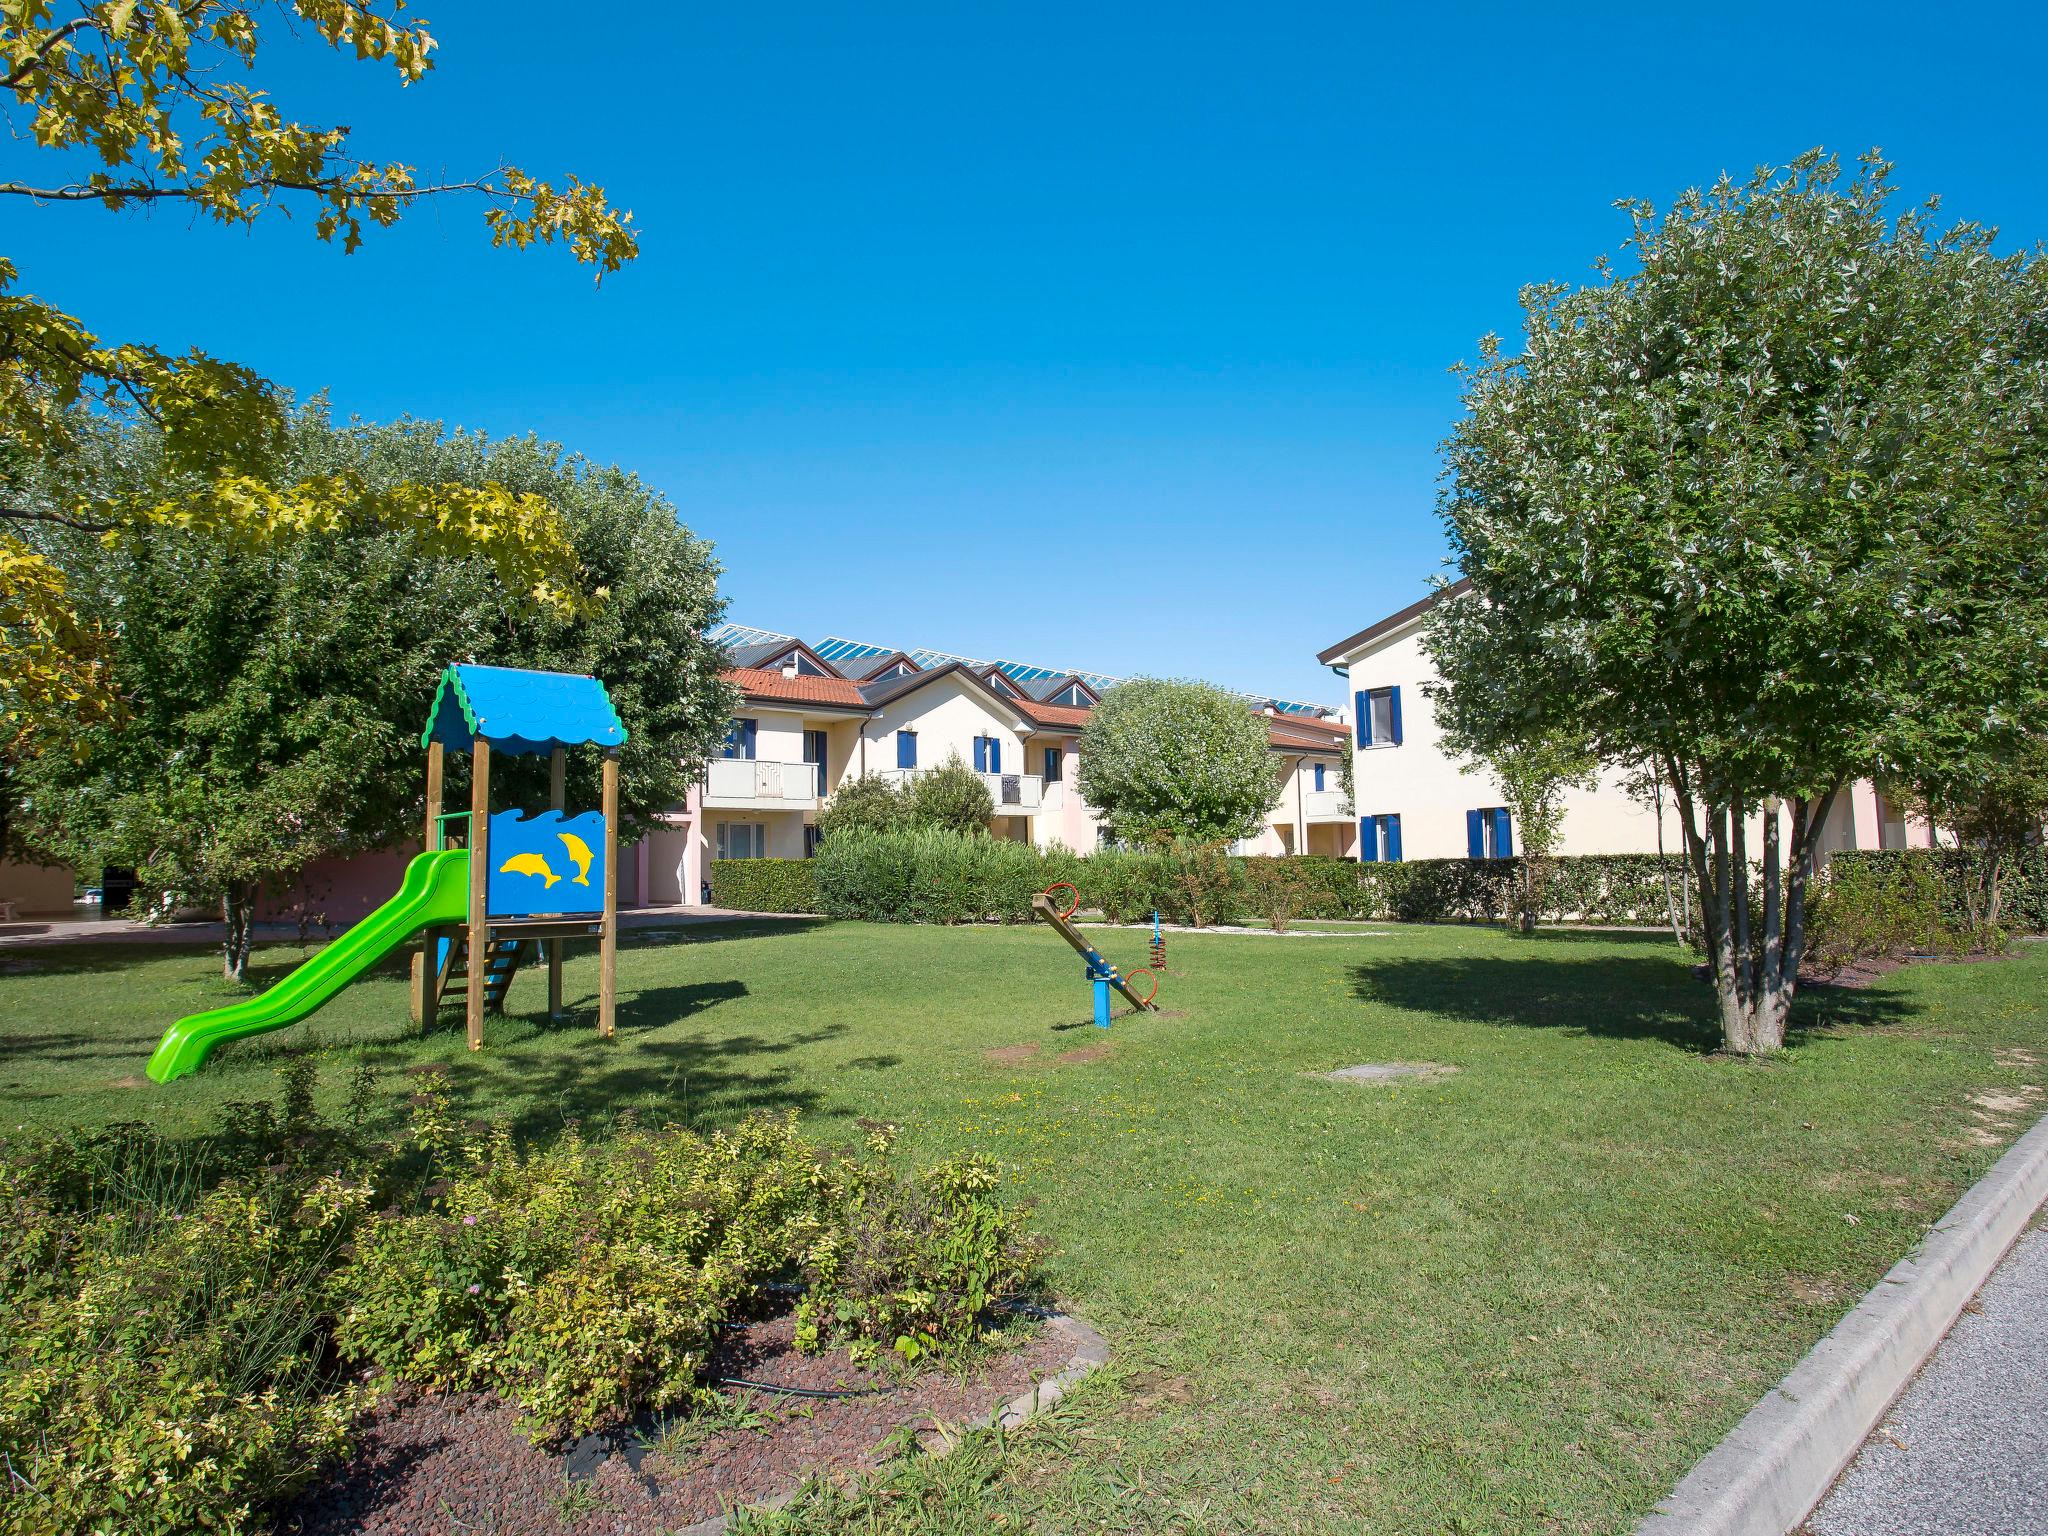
1091	1352
1780	1461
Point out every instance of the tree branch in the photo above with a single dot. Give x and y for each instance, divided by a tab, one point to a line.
147	192
46	47
20	514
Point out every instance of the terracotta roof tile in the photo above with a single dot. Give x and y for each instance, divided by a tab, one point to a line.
801	689
1053	714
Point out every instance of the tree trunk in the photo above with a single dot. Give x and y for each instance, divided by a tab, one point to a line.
238	913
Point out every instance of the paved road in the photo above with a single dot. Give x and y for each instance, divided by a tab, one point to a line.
1965	1451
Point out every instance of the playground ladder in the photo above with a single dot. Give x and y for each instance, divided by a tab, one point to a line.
501	963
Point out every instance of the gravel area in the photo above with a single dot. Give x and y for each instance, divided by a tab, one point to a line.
456	1463
1964	1452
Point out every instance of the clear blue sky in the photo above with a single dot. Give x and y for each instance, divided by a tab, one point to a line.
1102	335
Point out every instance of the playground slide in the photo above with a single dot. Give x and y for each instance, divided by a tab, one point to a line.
435	890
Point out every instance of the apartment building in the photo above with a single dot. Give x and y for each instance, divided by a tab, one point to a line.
814	716
1417	801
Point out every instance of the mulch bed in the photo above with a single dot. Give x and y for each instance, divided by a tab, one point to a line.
451	1463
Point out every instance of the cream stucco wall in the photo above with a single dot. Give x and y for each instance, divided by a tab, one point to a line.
947	715
1431	791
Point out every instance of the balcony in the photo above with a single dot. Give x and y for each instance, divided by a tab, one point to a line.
1014	794
749	784
1324	805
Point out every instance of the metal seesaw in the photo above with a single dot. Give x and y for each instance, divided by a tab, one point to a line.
1099	971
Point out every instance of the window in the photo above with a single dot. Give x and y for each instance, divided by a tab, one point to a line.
810	840
906	749
1488	834
740	737
1055	762
1319	776
988	754
804	665
814	753
1379	839
741	840
1072	696
1379	717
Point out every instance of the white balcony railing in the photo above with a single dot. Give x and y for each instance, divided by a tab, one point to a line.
1320	805
739	783
1014	794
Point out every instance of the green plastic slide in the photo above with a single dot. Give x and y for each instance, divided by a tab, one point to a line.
436	890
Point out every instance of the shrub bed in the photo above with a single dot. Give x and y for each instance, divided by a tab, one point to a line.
764	885
187	1323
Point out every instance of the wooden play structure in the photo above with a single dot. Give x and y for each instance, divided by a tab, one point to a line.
522	890
506	884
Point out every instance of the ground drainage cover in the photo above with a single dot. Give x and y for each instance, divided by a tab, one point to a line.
1389	1072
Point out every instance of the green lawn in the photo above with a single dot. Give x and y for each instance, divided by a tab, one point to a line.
1520	1298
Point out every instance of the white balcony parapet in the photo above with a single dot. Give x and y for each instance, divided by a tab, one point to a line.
1322	805
753	784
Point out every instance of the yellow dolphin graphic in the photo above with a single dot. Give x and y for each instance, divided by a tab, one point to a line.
579	851
529	864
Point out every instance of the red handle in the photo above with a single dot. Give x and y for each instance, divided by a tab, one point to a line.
1065	885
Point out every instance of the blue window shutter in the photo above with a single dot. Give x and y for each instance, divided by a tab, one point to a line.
995	754
1503	836
732	739
1368	838
981	754
1475	834
750	731
1394	713
1319	775
1393	839
906	749
1362	713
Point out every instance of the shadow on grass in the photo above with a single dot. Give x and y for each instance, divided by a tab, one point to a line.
1623	997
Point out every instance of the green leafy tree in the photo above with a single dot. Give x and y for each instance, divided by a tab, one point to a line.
951	797
869	803
156	96
1701	514
273	697
1170	760
1533	777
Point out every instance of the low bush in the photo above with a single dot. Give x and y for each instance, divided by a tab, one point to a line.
1873	902
163	1357
764	885
930	876
186	1323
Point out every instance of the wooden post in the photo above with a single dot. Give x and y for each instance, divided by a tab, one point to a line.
479	887
608	938
558	764
424	992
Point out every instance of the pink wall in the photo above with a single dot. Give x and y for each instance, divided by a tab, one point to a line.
334	893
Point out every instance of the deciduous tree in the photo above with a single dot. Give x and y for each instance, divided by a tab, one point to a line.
1701	513
1171	760
153	96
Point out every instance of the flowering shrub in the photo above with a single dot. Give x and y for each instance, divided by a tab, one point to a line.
186	1322
161	1350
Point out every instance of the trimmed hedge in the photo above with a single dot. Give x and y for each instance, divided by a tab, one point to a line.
1878	875
930	876
764	885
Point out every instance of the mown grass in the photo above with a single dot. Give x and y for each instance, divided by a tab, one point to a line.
1523	1297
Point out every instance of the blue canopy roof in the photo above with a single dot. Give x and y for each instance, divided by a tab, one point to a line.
521	713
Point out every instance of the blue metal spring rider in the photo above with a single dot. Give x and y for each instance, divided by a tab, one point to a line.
1099	971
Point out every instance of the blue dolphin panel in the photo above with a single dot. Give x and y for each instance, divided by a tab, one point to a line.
546	864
